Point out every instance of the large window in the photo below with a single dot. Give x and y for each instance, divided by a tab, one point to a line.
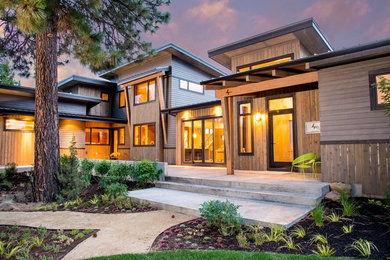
144	135
122	100
265	63
191	86
145	92
97	136
245	128
377	101
19	125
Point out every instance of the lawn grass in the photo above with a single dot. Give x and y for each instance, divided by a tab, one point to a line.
214	254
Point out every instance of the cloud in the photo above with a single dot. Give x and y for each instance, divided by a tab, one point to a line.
379	30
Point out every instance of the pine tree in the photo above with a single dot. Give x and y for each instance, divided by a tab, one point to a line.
100	33
7	76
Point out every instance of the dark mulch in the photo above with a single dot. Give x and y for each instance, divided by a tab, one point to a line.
372	224
13	235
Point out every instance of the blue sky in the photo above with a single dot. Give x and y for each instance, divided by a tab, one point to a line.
200	25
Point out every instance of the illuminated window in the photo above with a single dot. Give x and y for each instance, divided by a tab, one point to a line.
245	129
280	103
104	96
122	101
145	92
144	135
376	95
97	136
121	135
188	85
265	63
19	125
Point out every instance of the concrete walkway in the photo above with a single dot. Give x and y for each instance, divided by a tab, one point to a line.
119	233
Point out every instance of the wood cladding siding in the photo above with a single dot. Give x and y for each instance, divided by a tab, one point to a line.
185	71
101	109
170	156
345	110
68	130
365	164
277	50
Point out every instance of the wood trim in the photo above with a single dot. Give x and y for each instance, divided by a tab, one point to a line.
141	80
162	106
128	114
268	85
373	141
227	112
238	115
140	125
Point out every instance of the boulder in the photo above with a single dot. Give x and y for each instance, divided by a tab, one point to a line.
333	196
6	206
338	187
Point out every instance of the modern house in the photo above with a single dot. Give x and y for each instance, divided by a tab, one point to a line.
289	93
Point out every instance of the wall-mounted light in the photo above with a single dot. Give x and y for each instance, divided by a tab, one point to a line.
186	115
218	111
258	117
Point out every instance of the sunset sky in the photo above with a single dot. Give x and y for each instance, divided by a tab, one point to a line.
200	25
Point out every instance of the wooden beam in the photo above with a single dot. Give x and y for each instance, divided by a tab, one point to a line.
227	116
268	85
162	106
229	83
282	73
252	78
128	114
212	87
143	79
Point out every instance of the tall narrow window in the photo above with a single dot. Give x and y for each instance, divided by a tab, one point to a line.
122	100
144	135
145	92
122	135
245	128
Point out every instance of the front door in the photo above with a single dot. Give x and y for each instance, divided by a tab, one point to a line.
281	126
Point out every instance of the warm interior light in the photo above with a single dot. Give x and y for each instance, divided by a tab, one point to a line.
218	111
186	115
258	117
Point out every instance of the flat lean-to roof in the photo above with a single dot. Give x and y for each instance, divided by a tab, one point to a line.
75	79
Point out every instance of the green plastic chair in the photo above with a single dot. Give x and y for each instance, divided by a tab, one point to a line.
305	161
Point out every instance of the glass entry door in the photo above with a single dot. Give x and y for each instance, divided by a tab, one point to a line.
203	141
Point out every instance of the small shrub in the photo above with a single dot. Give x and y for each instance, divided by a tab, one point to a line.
259	238
298	232
318	238
144	172
242	240
324	250
221	214
95	200
275	233
362	246
347	229
10	169
289	243
114	182
115	189
102	168
86	167
350	208
318	214
74	232
333	217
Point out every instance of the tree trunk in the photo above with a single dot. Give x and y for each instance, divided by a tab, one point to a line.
47	153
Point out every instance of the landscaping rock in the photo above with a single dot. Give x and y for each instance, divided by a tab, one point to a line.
6	206
333	196
338	186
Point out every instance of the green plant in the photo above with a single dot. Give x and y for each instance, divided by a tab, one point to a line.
318	214
10	169
69	177
347	229
3	235
95	201
362	246
255	229
333	217
115	189
242	240
144	172
105	199
37	241
289	243
114	182
74	232
79	235
324	250
221	214
387	197
318	238
343	196
87	231
86	168
11	251
275	233
42	231
3	247
102	168
53	206
349	208
259	238
47	247
298	232
56	248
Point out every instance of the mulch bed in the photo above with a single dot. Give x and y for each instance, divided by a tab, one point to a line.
372	224
55	243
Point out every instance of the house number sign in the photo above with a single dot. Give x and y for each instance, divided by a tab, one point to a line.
312	127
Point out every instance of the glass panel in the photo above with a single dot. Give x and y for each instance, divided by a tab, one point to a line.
219	143
245	134
244	69
122	101
20	125
280	103
121	136
283	138
380	94
183	84
137	135
208	141
197	136
245	108
104	96
100	136
270	63
141	93
144	135
115	144
87	135
187	141
151	135
152	90
195	87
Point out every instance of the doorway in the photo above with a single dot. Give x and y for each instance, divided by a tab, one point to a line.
281	132
203	141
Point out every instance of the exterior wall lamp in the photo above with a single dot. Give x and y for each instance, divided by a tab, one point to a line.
258	117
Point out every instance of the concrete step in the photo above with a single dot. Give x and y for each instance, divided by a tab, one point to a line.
259	184
254	212
267	195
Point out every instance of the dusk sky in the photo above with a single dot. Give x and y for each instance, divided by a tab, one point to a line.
201	25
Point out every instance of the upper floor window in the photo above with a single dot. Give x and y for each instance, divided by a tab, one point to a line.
376	95
122	135
104	96
265	63
245	128
145	92
144	135
97	135
122	100
188	85
19	125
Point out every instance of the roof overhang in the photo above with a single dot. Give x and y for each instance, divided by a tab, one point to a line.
306	31
76	80
175	110
157	72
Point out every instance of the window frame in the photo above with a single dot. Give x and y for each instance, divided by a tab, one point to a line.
290	55
17	130
188	86
140	125
119	103
248	101
90	134
108	96
147	92
124	135
374	105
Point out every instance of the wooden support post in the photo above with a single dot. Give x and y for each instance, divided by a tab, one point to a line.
128	114
162	106
227	112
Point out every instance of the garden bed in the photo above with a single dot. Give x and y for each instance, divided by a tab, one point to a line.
19	242
371	223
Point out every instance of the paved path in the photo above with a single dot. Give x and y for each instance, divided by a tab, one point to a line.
119	233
